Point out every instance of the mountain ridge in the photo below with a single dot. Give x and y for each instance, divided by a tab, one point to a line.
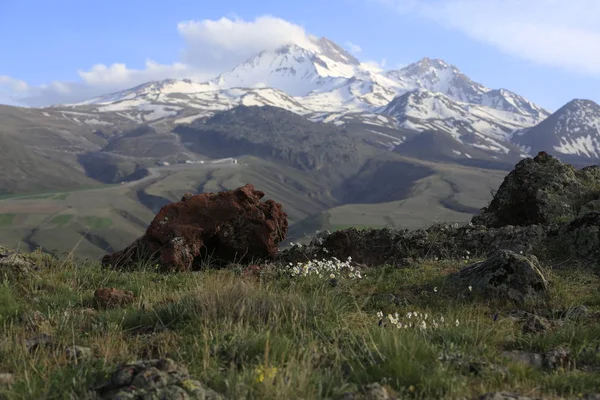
323	82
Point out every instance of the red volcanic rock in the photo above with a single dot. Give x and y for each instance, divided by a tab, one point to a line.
111	297
230	226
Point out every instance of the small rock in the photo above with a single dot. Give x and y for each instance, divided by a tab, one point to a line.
558	358
111	297
153	379
78	353
7	379
577	312
505	396
405	262
319	238
38	341
591	396
552	360
534	324
534	360
374	391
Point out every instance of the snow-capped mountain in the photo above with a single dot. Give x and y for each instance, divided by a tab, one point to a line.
437	76
323	82
573	130
475	125
294	69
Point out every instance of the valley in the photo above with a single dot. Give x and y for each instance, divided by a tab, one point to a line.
92	221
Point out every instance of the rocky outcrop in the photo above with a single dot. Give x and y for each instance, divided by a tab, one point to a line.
506	275
374	247
231	226
544	207
541	191
581	237
13	261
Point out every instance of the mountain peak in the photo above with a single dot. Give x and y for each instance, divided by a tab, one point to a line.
335	52
582	104
438	76
434	63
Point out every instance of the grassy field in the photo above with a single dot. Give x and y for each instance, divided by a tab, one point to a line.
7	219
311	339
94	219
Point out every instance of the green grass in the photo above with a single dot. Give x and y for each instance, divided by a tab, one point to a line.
324	340
62	220
61	196
96	223
54	195
7	219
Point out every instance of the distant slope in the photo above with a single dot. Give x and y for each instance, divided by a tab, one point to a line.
272	133
38	152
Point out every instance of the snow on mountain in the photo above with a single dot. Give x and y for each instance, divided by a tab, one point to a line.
295	70
438	76
324	82
505	100
477	126
572	130
156	91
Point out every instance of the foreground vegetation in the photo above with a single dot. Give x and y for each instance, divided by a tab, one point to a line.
286	333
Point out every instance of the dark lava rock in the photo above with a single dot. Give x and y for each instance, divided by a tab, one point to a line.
541	191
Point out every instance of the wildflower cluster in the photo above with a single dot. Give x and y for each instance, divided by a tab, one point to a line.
261	373
414	320
333	268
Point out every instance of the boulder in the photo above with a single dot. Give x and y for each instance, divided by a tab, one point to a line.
580	238
230	226
541	191
506	275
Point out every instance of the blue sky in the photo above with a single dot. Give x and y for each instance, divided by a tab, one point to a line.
60	50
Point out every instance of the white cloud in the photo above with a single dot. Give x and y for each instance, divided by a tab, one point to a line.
557	33
222	44
211	47
13	84
354	48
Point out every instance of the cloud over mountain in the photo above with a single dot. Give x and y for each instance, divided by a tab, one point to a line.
211	46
